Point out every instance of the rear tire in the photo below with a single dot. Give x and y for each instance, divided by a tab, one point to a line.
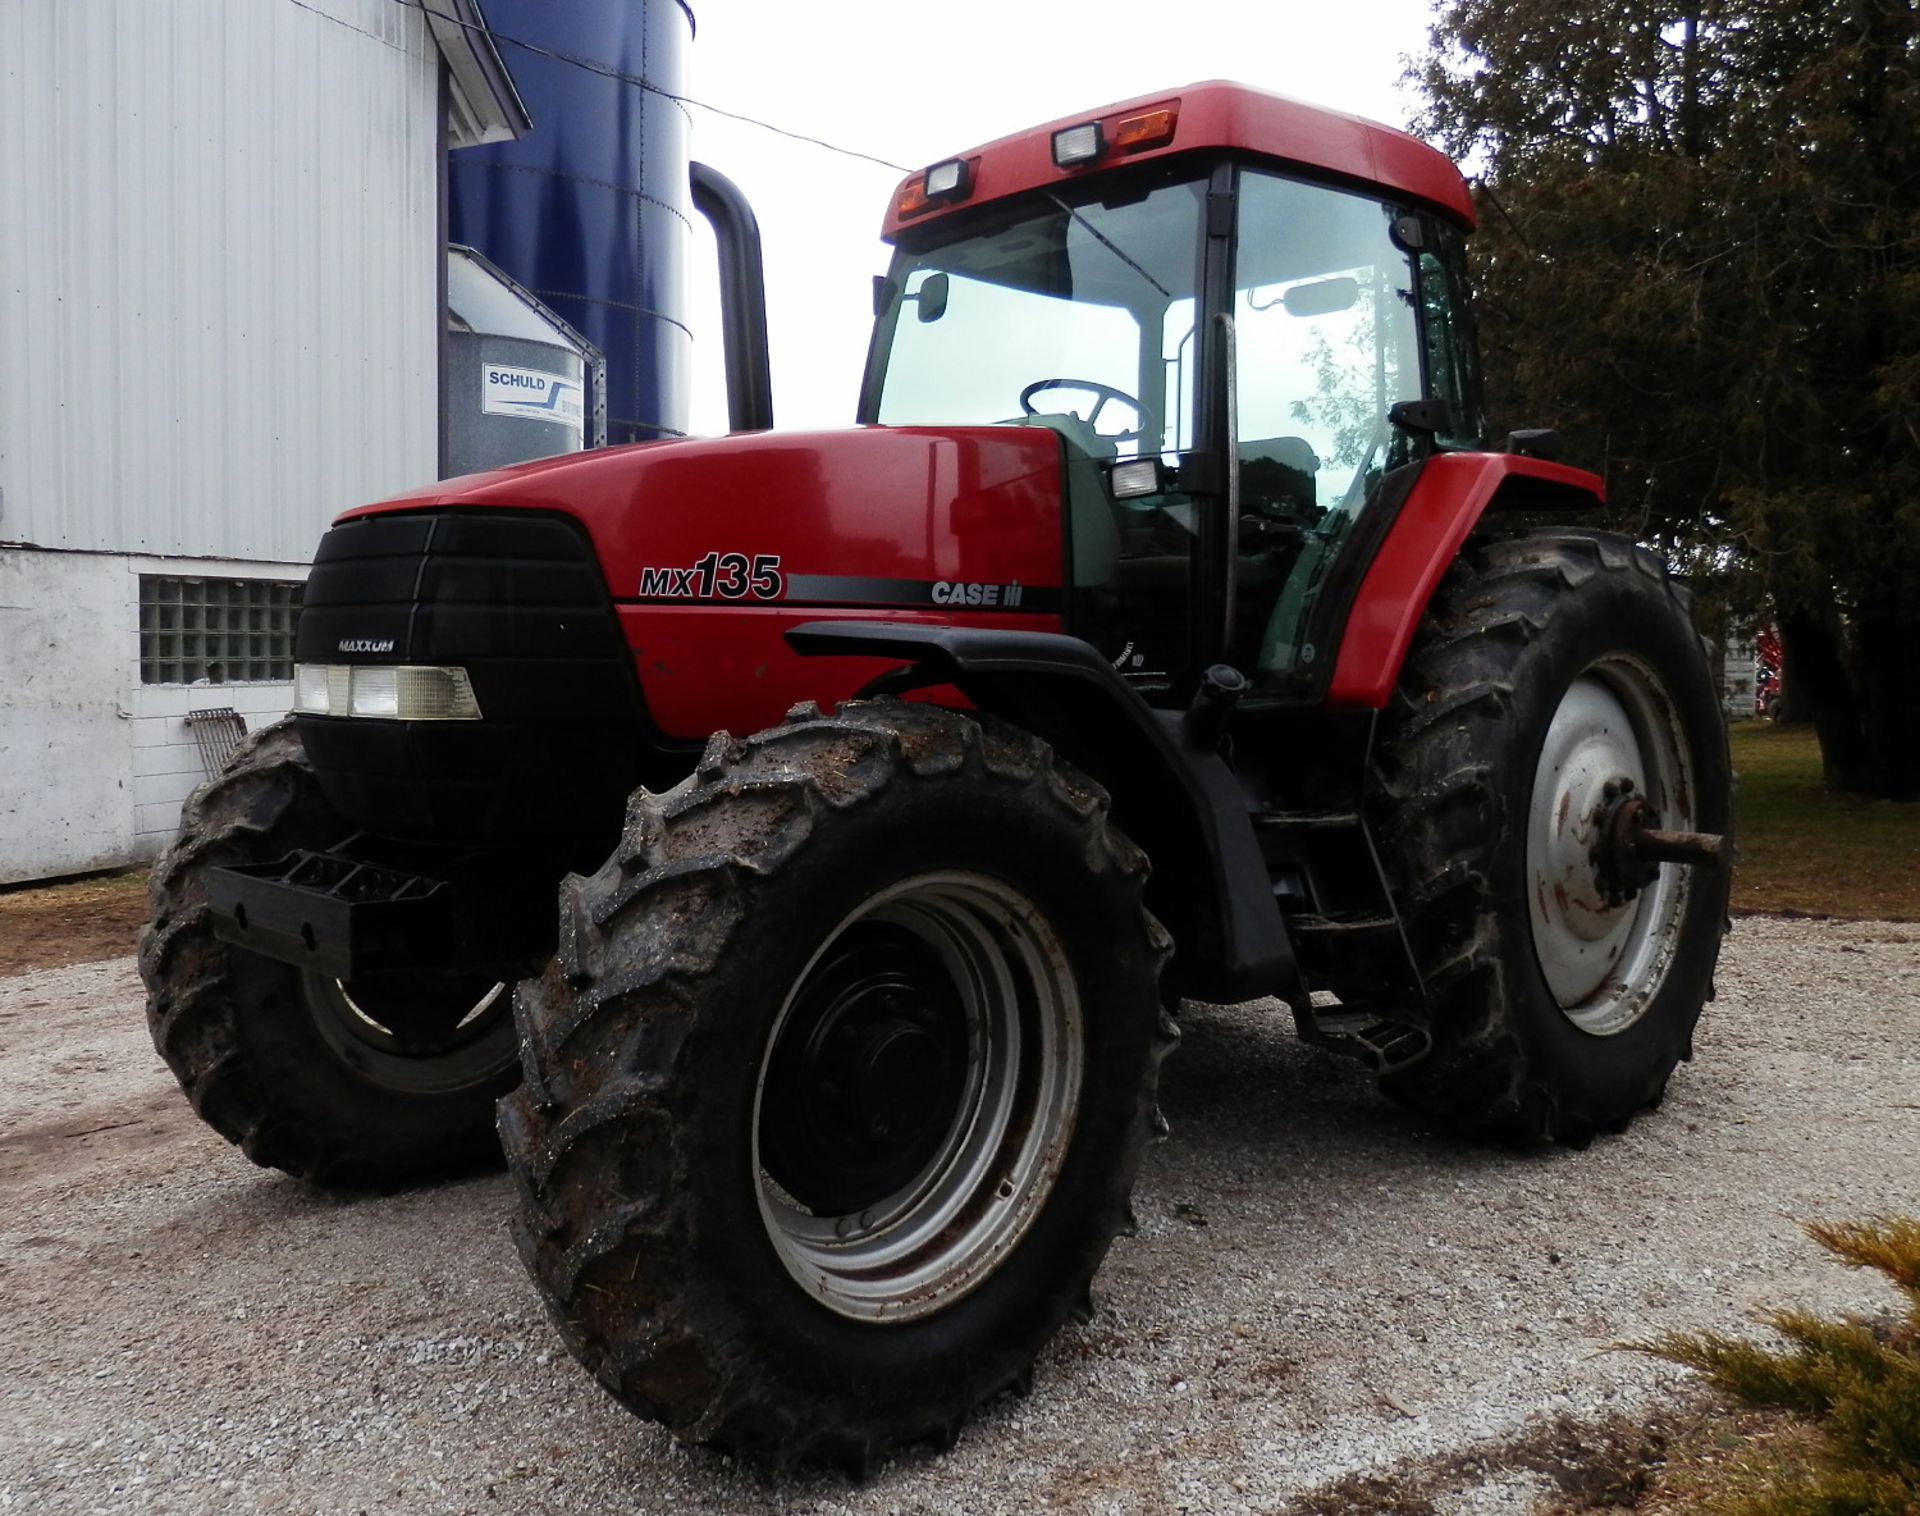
378	1083
1549	667
837	1087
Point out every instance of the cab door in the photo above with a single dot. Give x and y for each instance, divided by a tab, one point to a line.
1327	340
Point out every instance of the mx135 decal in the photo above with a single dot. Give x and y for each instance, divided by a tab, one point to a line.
724	576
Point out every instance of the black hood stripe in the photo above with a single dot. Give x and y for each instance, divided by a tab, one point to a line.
826	590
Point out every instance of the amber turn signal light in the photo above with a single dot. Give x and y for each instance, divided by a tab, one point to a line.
1148	129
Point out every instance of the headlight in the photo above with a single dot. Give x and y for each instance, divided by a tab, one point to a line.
374	692
310	693
407	692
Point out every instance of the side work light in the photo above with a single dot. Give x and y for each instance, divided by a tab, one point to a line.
1137	477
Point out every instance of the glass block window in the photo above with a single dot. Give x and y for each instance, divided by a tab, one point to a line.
217	631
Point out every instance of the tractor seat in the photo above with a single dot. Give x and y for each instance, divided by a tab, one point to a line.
1277	479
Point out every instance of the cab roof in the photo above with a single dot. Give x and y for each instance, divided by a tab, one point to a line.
1214	114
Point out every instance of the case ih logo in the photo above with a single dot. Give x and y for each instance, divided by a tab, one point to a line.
955	592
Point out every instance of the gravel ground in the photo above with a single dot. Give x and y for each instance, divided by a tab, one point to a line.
1318	1286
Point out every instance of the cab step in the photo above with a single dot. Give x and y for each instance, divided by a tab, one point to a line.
1382	1045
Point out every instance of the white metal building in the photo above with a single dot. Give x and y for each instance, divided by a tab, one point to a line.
221	266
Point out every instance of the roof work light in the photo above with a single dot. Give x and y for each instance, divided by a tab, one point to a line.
1075	145
944	183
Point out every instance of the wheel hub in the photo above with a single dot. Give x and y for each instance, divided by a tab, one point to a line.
866	1075
1620	870
902	1082
1602	911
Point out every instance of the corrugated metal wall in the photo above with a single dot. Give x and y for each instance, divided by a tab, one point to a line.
218	265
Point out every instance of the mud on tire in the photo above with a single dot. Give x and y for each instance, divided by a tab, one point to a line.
281	1062
1574	645
750	1188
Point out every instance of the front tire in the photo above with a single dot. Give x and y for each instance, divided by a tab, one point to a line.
836	1091
378	1083
1556	677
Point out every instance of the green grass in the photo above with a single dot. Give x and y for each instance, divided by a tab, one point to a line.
1804	852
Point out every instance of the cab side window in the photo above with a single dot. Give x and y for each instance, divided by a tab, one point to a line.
1327	343
1447	321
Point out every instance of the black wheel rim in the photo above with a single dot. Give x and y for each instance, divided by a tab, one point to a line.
419	1035
956	986
868	1071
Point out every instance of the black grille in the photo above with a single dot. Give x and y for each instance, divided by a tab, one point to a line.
517	599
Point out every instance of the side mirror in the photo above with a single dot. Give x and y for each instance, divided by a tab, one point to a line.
932	296
1536	442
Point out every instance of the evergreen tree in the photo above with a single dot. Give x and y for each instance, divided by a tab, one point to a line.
1699	256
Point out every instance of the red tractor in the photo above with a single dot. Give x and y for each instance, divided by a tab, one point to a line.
1167	629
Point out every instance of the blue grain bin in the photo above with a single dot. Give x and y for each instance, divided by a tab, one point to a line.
590	209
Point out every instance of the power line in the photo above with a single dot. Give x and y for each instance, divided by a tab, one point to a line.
326	15
607	71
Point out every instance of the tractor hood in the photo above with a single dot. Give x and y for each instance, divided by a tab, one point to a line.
712	549
879	516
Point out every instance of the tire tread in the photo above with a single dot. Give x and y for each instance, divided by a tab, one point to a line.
597	1114
1439	814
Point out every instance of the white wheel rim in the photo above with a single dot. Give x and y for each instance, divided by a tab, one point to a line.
940	1235
1602	962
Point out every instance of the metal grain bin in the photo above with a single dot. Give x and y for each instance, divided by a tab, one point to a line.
521	383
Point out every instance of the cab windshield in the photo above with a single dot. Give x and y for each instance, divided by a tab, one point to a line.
1082	316
1069	314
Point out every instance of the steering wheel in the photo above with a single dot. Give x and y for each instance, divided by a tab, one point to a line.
1104	392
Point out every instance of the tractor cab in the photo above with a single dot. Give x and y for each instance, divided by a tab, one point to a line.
1239	353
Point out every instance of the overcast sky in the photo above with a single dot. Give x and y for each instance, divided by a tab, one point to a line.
913	83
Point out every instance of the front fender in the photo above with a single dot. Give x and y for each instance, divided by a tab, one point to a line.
1178	801
1453	491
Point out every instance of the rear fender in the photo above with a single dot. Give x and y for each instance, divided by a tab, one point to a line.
1453	491
1179	802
